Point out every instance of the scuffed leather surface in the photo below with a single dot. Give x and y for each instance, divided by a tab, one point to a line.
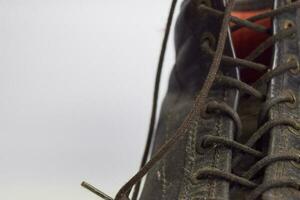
283	139
172	178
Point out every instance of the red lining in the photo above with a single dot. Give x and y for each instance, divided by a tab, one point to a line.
246	40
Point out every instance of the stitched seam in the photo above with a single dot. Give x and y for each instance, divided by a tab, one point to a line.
164	180
216	160
278	168
188	168
163	168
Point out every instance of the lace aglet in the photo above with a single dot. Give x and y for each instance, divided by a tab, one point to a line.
95	191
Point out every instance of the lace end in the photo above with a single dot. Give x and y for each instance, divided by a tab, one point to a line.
95	191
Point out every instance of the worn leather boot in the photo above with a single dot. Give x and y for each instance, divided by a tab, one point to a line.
282	110
197	30
219	159
229	124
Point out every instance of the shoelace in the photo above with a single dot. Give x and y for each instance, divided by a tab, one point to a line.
198	110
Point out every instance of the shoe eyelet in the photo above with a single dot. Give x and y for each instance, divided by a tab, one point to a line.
206	3
290	1
293	104
288	24
194	179
208	40
293	59
205	114
201	148
293	130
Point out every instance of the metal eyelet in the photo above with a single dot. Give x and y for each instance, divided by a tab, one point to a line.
206	3
293	104
290	58
208	40
194	179
293	130
199	146
201	149
288	24
205	113
290	1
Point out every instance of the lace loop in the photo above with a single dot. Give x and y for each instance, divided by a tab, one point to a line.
237	61
232	82
285	97
218	174
270	41
268	126
226	109
269	160
236	20
272	73
268	186
271	14
209	140
264	130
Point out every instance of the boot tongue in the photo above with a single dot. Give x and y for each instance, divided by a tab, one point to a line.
243	5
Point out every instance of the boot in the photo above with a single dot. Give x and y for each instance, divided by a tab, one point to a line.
200	166
174	176
228	127
281	166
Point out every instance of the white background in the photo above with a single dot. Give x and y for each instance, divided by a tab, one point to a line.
76	81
